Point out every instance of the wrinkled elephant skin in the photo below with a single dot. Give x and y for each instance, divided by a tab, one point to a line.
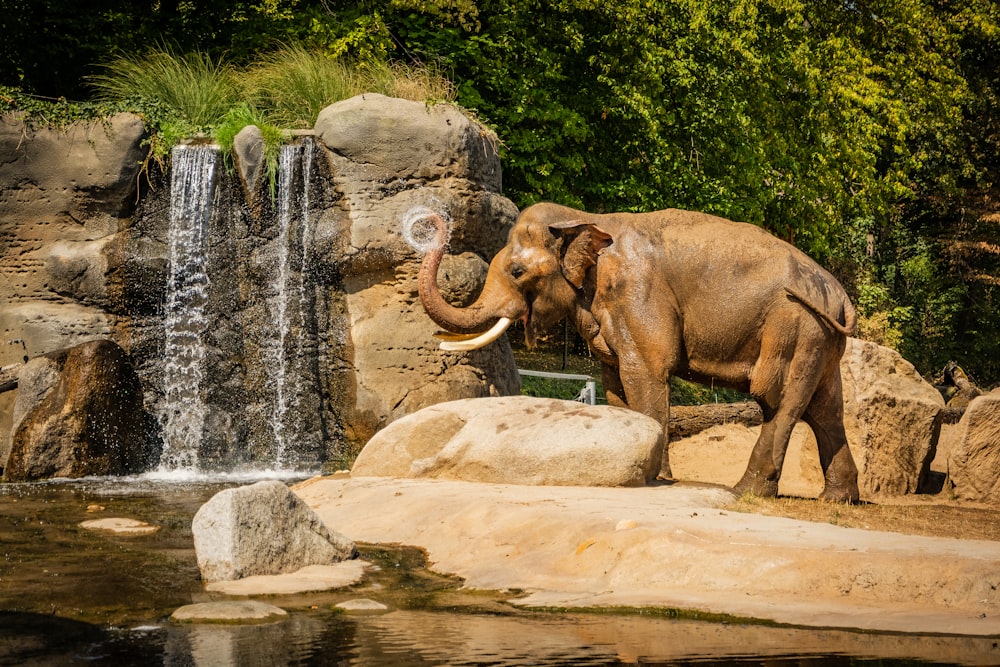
677	293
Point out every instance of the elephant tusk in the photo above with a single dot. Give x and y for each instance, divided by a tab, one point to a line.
480	340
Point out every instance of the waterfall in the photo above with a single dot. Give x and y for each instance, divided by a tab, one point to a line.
291	305
192	190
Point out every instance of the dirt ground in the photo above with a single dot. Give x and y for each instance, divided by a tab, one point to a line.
930	515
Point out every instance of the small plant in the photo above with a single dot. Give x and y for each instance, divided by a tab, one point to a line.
240	117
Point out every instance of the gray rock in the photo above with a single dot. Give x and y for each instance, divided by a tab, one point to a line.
260	529
405	139
892	417
235	611
362	605
79	412
518	440
248	145
974	465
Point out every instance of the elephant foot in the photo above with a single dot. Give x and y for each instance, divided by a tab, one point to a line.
757	485
846	495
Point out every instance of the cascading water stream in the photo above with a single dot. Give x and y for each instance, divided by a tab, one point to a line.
192	191
286	176
291	302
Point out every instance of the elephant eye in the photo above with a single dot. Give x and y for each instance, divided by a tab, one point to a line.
517	271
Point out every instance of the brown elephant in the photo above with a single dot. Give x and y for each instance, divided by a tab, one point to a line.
676	293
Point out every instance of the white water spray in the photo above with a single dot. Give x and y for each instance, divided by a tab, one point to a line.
192	190
419	229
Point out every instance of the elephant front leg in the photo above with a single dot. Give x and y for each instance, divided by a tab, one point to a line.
650	395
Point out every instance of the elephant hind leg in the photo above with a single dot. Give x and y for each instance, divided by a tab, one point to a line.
783	382
764	468
825	415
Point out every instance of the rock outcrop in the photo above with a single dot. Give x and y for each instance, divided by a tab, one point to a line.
892	417
518	440
313	337
974	464
79	412
262	529
387	157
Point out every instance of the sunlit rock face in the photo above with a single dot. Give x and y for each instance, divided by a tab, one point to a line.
518	440
272	324
262	529
892	417
974	463
79	412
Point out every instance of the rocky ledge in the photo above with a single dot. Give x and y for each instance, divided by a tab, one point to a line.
671	547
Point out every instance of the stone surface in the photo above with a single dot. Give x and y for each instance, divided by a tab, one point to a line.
892	417
974	463
78	412
248	145
387	158
237	611
518	440
307	579
121	526
439	140
64	195
561	546
262	529
362	605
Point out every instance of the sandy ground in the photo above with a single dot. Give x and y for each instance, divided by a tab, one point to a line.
671	546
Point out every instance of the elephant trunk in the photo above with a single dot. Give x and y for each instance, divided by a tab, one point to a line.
474	319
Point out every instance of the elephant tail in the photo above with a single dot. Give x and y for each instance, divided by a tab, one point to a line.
850	323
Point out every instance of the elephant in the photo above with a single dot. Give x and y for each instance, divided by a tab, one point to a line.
675	293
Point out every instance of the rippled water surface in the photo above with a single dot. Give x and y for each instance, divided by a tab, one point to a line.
73	596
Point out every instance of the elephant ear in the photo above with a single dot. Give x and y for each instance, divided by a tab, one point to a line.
581	243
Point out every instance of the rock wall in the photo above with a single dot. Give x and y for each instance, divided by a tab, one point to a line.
85	254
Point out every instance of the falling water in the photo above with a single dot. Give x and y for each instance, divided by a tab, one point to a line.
192	189
291	301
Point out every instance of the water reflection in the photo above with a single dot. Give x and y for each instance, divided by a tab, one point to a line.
70	596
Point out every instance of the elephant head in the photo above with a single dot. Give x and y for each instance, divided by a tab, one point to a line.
536	278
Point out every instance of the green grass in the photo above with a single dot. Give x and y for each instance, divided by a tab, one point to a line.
293	84
183	96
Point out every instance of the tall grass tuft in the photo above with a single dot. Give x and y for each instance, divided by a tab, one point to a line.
293	84
183	96
192	87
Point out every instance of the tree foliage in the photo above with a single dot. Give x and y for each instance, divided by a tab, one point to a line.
866	132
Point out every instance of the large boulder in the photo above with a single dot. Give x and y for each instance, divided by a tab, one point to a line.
79	412
974	465
892	417
406	139
518	440
262	529
389	158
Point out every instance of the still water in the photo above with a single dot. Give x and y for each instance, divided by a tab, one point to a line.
69	596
